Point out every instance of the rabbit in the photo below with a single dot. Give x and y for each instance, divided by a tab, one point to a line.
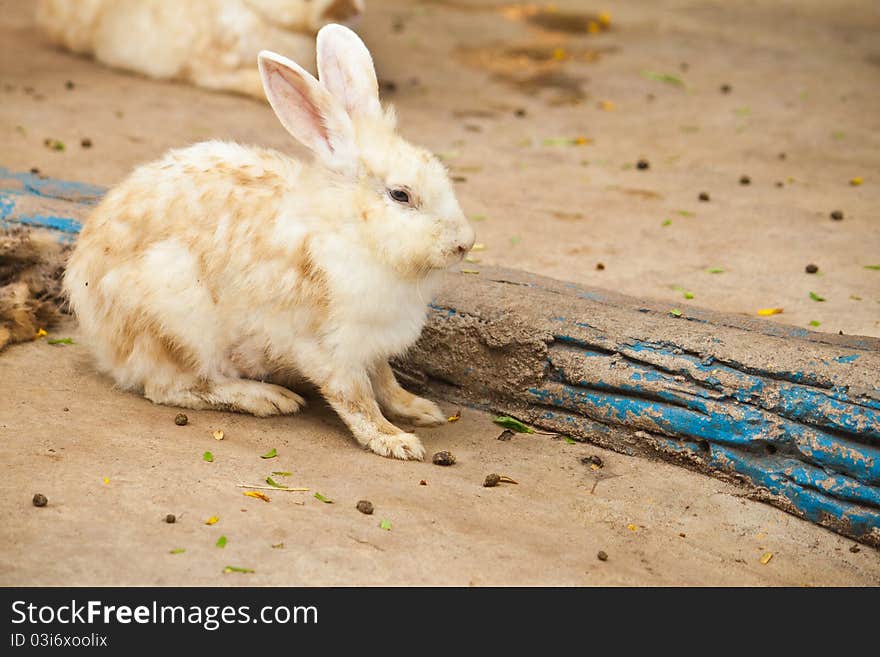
220	267
210	43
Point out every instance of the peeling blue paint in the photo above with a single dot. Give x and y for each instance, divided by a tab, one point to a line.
764	471
63	224
11	214
832	407
664	349
686	410
825	441
832	484
656	415
805	405
442	309
707	420
6	206
55	188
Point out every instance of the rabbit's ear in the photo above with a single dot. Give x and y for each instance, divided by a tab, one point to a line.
307	110
346	69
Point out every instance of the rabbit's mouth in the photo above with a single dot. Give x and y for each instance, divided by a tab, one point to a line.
440	262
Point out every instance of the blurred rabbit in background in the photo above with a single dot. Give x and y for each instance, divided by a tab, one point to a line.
209	43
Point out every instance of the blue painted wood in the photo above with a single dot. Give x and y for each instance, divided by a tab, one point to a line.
38	201
688	407
799	418
794	413
46	187
836	431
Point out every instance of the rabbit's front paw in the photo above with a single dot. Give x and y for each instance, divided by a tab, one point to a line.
404	446
421	412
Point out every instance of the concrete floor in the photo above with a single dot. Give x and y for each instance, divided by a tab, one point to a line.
809	90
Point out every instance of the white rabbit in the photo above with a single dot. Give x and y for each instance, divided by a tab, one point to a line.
210	43
221	266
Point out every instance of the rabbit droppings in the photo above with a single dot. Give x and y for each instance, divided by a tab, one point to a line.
221	266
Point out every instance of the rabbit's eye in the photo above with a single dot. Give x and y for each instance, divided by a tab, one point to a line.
399	195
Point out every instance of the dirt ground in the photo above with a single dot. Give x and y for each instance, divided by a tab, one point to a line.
63	430
501	100
804	78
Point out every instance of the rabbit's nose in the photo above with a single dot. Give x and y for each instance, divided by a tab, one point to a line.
463	247
464	241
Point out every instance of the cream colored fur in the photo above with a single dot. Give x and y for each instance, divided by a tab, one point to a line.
210	43
221	267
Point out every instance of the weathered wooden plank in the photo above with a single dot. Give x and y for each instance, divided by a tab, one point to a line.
790	413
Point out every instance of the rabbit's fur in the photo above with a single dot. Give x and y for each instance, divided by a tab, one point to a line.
210	43
31	265
221	266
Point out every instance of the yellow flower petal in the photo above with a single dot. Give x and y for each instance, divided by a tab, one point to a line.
257	495
106	480
218	434
765	312
765	559
855	182
631	527
604	19
213	520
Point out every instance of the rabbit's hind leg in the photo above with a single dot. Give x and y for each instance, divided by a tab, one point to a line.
246	82
227	394
174	373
